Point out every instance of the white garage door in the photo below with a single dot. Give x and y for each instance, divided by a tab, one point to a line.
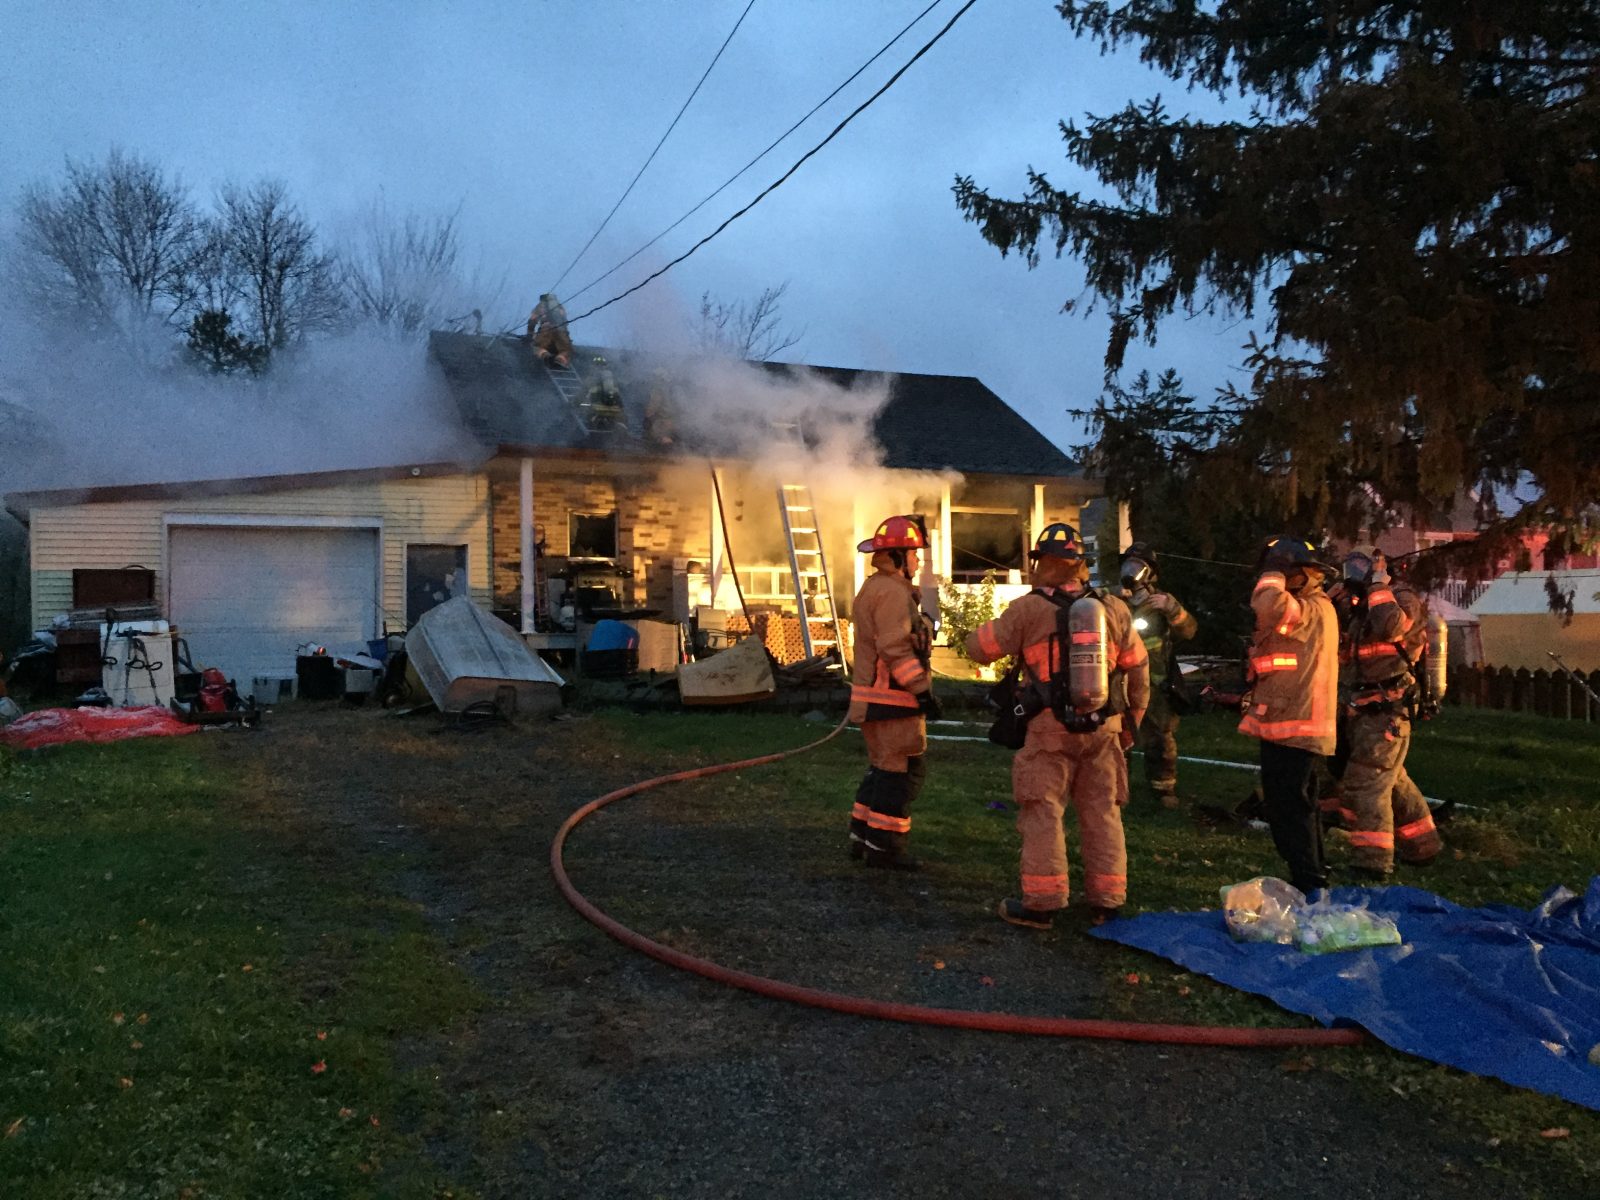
245	596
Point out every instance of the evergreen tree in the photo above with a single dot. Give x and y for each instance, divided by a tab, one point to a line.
214	346
1412	206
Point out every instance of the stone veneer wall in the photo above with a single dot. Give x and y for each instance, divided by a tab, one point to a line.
656	523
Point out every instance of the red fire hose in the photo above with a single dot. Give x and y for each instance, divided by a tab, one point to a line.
862	1006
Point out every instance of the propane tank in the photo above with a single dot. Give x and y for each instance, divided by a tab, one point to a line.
1088	672
1438	656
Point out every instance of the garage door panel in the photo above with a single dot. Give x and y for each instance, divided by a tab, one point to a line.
246	596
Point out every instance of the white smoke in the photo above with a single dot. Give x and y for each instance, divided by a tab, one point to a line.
79	411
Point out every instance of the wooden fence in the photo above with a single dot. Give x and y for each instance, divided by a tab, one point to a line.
1545	693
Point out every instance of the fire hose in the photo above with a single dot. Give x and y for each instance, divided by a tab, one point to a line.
863	1006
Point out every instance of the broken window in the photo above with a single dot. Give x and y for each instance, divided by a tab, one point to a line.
983	542
592	535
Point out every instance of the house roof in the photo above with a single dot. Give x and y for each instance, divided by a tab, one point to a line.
23	503
1520	594
930	422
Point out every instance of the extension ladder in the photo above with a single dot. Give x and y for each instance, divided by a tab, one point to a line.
571	387
809	567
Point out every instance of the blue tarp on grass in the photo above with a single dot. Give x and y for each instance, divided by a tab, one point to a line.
1496	990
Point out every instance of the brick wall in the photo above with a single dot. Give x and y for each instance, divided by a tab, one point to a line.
659	518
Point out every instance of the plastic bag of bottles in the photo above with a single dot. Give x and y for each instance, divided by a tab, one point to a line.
1325	928
1262	909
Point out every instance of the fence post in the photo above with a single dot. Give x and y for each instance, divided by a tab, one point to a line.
1540	699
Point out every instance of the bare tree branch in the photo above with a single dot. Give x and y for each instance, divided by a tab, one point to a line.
751	331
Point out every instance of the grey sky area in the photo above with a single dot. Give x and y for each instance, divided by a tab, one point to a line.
533	117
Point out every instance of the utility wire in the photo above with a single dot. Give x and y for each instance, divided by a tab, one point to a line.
884	49
785	176
659	144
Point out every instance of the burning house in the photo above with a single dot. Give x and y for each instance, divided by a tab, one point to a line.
623	485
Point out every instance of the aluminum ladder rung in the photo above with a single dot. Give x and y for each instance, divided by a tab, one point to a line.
795	505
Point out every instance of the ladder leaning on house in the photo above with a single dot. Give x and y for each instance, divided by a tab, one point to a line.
809	566
574	391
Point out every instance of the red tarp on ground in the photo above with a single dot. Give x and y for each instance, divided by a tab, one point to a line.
51	726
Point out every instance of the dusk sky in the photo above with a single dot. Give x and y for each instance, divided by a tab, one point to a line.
533	116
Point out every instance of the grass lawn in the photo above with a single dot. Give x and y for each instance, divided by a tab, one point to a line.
201	995
183	1011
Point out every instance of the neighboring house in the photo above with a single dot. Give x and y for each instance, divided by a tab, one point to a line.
1520	630
621	517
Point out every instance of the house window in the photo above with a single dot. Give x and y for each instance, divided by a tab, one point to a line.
982	542
592	535
434	574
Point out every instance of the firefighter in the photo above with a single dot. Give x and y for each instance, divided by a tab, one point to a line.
1068	753
1293	699
547	330
891	696
1386	636
1161	622
604	397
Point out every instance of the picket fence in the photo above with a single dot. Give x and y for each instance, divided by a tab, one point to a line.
1545	693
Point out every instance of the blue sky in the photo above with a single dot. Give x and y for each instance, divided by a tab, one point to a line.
533	117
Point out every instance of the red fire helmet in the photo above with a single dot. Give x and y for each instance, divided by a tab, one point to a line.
896	533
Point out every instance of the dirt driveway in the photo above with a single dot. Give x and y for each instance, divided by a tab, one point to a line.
592	1071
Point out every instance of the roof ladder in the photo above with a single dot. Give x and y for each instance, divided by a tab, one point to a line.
570	387
574	391
812	591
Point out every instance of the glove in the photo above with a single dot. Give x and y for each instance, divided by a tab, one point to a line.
930	706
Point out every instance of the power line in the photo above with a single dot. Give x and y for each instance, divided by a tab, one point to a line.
884	49
659	144
785	176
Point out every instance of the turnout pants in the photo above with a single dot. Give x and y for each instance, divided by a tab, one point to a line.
1289	790
1384	809
881	816
1158	739
1090	770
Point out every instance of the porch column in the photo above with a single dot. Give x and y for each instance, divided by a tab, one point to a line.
719	545
858	562
946	542
1124	529
525	544
1038	513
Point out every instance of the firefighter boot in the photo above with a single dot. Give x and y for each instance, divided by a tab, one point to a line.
889	823
1014	912
859	813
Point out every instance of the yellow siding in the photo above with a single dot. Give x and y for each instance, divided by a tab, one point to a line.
451	509
1518	640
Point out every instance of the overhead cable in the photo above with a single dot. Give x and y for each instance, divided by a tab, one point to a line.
659	144
882	50
785	176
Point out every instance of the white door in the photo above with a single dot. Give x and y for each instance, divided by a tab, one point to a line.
246	596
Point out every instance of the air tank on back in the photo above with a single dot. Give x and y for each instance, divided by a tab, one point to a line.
1088	668
1436	663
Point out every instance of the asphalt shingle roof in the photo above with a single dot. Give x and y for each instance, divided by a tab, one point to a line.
930	422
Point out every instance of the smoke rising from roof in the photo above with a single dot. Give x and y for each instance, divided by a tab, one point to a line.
78	411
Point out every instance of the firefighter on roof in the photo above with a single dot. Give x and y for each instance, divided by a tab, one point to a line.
1386	637
547	330
1087	673
1161	622
1294	673
891	694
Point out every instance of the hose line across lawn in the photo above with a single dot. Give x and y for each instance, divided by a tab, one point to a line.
862	1006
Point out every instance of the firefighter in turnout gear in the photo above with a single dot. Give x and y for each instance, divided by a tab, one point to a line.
1385	638
1294	699
547	330
1161	623
891	694
1086	672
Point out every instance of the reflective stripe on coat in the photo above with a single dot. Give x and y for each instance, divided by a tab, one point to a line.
1295	663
